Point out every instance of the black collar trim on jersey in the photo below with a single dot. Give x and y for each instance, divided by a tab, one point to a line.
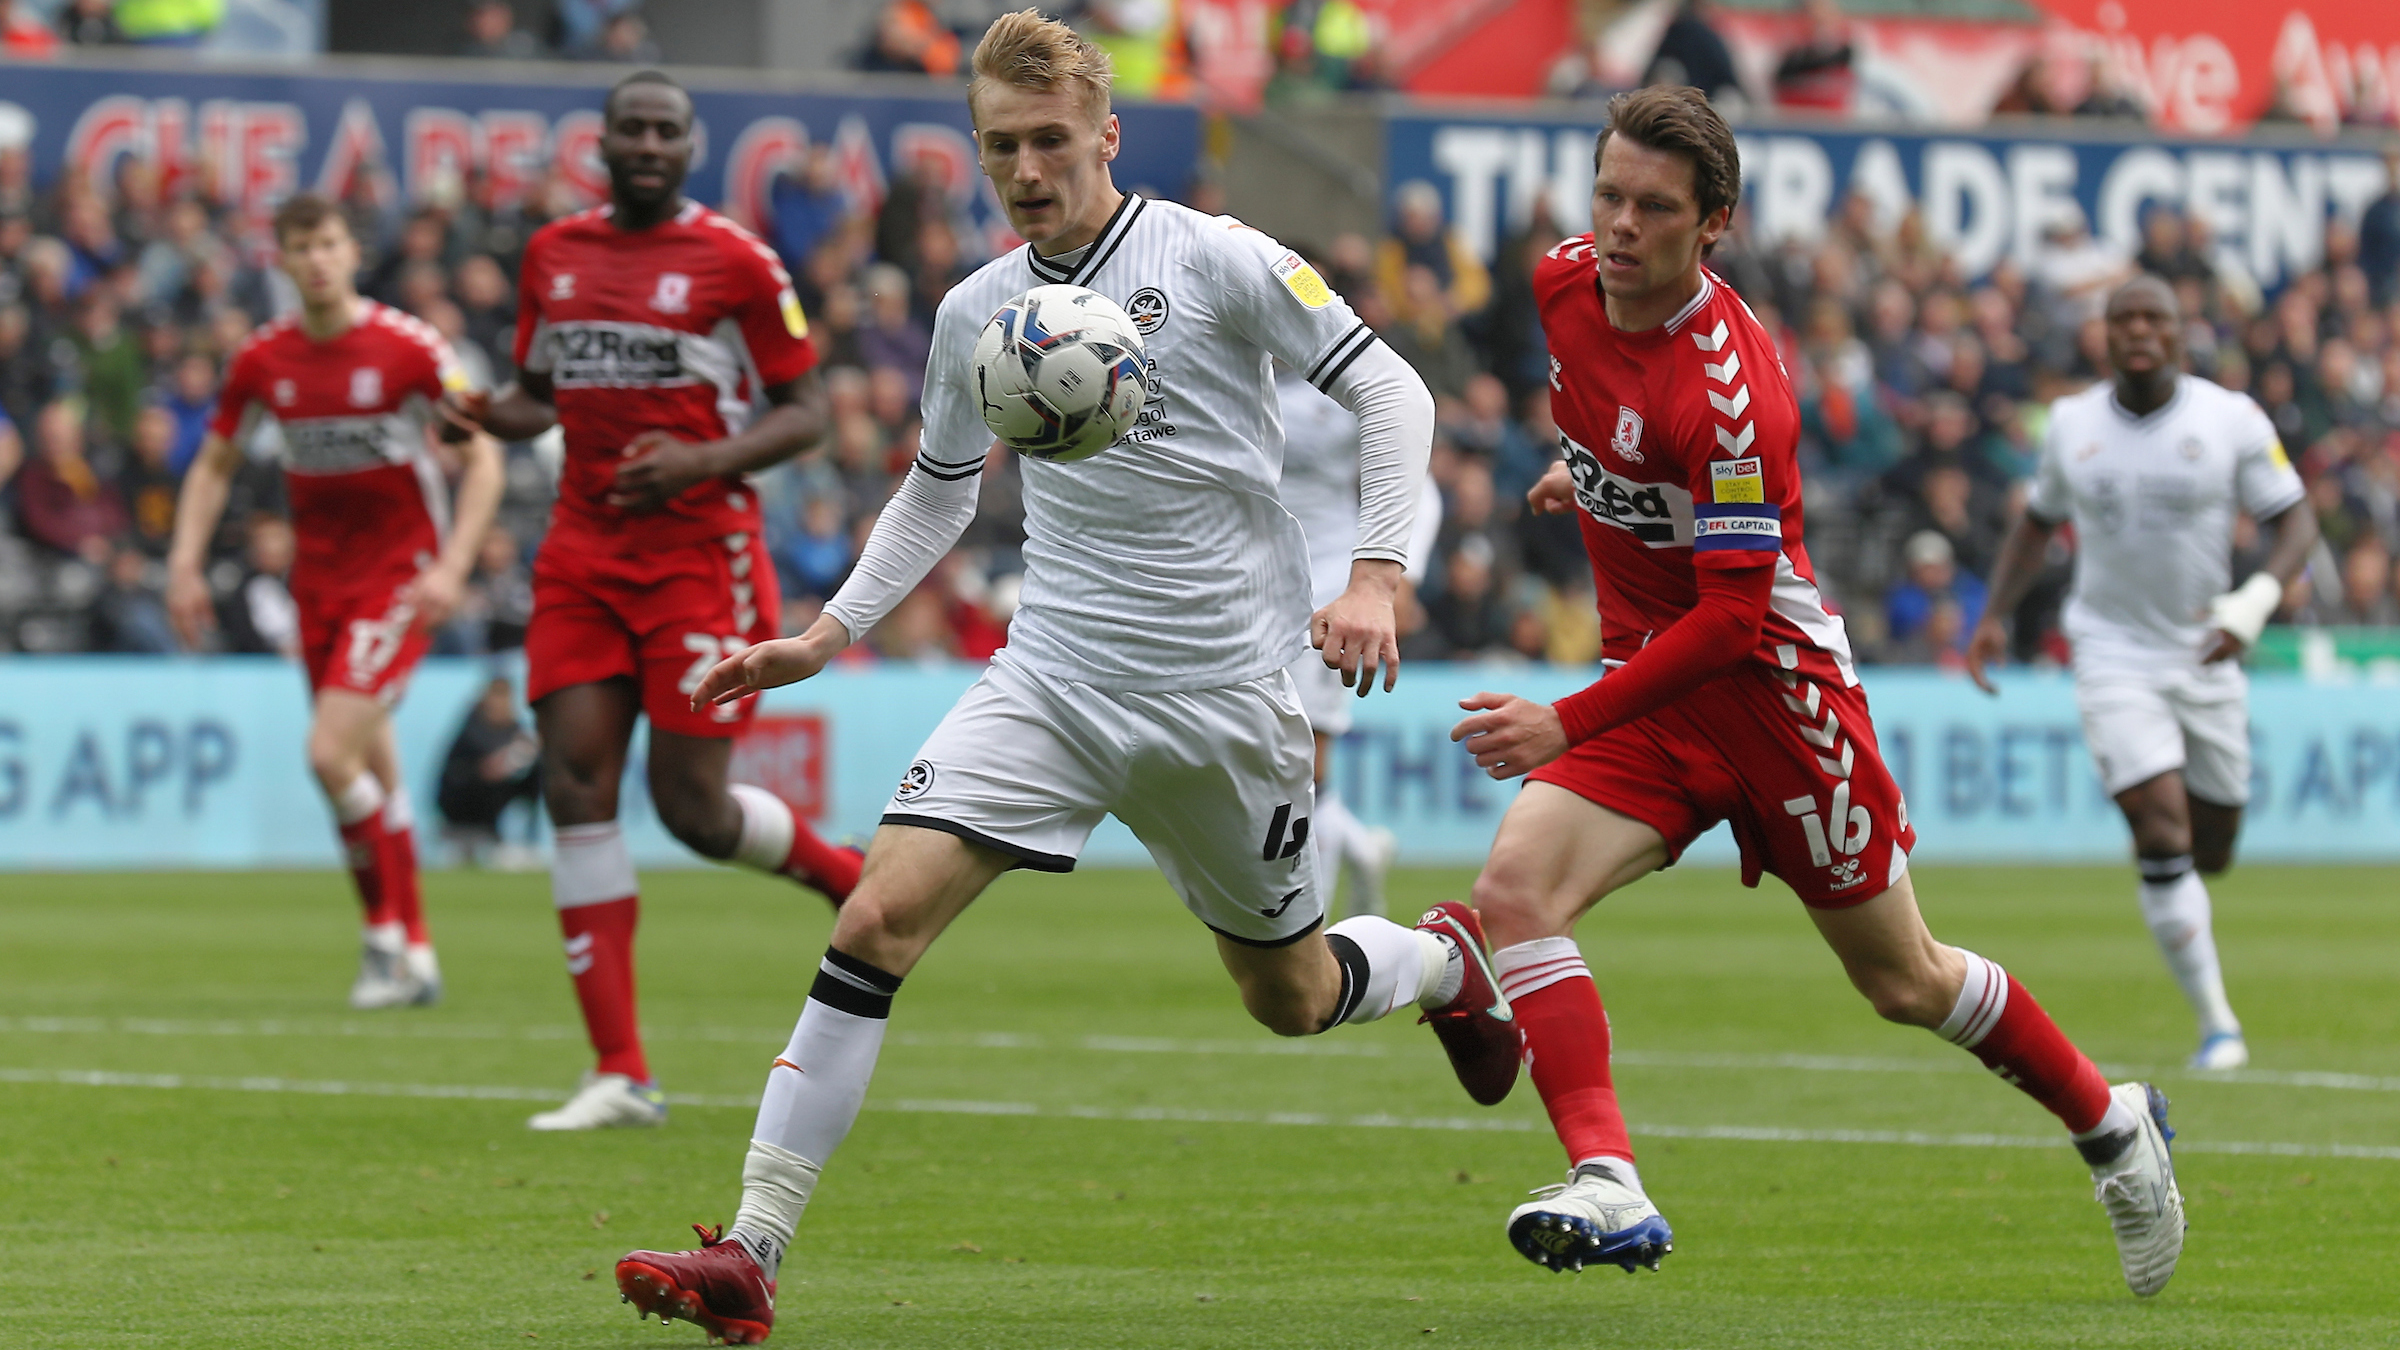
2174	401
1102	248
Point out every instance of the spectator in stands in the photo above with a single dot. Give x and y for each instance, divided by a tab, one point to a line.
1930	579
489	306
1467	615
190	397
132	609
493	762
1421	238
1427	335
492	34
25	373
1692	52
1818	74
624	40
89	23
147	483
2379	233
259	616
2367	582
893	337
110	370
908	36
814	560
806	202
12	455
63	500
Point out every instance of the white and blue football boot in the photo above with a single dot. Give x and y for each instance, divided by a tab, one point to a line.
2133	1178
1594	1218
2221	1050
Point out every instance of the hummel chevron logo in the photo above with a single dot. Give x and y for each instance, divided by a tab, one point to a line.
1731	407
1822	737
1724	374
1711	341
1737	444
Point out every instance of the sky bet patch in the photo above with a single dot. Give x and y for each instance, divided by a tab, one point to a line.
1737	480
1302	281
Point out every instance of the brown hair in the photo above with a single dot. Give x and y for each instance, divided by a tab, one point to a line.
1679	120
1028	51
302	212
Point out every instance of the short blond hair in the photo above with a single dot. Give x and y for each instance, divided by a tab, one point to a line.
1029	51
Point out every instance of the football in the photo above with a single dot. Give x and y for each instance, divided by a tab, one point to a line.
1060	373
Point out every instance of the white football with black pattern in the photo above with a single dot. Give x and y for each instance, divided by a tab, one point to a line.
1060	373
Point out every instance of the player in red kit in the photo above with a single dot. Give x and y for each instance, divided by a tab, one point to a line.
354	388
1730	696
646	330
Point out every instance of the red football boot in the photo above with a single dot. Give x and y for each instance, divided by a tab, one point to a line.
718	1286
1477	1028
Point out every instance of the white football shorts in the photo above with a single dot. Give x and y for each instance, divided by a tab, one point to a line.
2142	723
1322	697
1216	783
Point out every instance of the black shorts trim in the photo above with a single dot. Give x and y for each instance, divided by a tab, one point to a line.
1026	857
1267	943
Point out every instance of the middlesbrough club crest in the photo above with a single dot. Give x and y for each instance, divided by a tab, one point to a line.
1628	439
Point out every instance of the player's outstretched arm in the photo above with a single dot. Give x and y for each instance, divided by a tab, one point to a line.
435	592
2241	614
658	468
769	665
2020	562
197	511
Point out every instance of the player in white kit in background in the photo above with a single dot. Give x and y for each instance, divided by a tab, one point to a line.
1165	591
2151	468
1320	489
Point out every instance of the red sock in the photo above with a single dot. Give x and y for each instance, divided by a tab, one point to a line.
816	863
591	880
1566	1045
2001	1024
399	848
600	958
363	851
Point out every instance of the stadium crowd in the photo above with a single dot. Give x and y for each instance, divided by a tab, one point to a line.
1923	399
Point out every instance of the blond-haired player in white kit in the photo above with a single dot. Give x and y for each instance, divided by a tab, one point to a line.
1165	591
2151	467
1319	487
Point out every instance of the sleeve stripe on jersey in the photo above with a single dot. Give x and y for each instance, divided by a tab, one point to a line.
925	467
1752	526
1361	335
1336	373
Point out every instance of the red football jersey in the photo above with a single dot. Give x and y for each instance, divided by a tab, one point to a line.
673	328
368	499
1683	444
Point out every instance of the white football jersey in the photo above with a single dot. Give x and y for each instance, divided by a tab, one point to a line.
1320	489
2153	501
1167	561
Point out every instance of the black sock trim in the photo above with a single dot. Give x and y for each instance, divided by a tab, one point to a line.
2159	871
2102	1149
846	984
1353	961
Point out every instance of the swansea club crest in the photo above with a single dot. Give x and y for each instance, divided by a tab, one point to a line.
1147	308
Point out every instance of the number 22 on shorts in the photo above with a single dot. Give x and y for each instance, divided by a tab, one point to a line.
707	649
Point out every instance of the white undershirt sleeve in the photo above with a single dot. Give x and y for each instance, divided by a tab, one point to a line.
1395	439
917	526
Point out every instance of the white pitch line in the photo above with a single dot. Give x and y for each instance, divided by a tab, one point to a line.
1180	1115
397	1028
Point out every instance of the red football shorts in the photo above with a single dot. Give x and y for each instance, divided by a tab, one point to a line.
661	618
364	641
1790	761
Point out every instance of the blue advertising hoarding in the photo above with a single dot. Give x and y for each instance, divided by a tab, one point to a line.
1985	196
251	138
114	762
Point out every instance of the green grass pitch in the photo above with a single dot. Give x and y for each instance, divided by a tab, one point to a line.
1077	1139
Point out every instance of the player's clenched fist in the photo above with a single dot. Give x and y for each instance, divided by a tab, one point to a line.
1359	632
189	607
1554	495
1510	736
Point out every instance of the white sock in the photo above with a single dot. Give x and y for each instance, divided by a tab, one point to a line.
766	840
1981	1000
813	1095
363	798
589	865
1386	967
776	1184
1621	1168
2118	1119
1538	965
1329	824
2175	905
398	813
388	937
